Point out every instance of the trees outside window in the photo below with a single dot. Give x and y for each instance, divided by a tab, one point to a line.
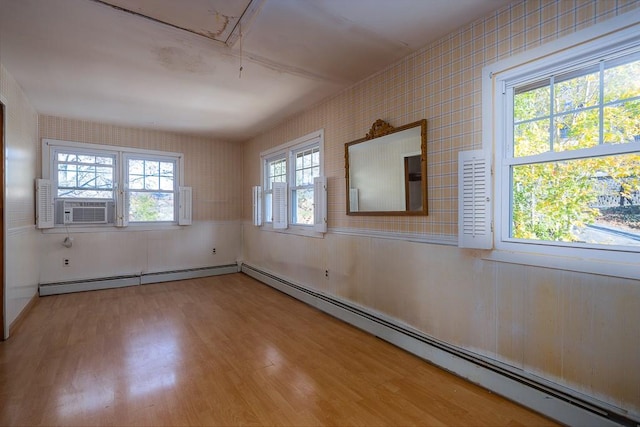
574	158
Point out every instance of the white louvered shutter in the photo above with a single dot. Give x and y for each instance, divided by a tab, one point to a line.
185	196
320	204
256	193
279	205
474	201
44	204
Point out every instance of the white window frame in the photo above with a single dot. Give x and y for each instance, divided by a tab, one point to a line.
621	34
126	157
288	151
51	146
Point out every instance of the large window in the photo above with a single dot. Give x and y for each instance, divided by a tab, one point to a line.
565	124
289	172
152	188
574	155
102	185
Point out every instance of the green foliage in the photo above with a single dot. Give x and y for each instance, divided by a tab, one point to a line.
143	208
552	200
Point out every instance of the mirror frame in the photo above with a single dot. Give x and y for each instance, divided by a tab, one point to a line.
379	129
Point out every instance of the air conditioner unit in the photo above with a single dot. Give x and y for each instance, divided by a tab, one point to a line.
85	212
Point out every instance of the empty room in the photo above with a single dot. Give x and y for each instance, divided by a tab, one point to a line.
319	212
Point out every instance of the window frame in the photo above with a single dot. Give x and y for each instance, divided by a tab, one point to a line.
620	34
126	157
288	151
49	171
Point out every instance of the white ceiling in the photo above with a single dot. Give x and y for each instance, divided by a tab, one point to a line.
175	65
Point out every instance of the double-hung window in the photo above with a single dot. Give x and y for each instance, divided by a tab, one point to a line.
152	188
567	149
294	191
306	163
96	185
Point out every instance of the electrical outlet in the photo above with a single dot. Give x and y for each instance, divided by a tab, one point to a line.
65	262
213	251
326	274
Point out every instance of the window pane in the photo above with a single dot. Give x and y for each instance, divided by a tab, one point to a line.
84	158
67	176
166	168
532	104
166	183
303	206
104	177
136	182
622	82
66	157
86	176
593	200
151	168
136	167
531	138
577	92
152	183
622	123
577	130
148	207
102	160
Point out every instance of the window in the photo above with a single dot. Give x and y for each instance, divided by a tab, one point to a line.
94	184
152	189
84	175
573	156
290	178
567	147
307	167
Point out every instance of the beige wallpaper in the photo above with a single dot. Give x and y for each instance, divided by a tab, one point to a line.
442	83
211	167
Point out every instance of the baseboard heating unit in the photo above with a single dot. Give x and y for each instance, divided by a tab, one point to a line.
553	400
133	280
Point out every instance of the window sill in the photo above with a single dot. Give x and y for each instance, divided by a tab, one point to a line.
109	228
298	230
572	260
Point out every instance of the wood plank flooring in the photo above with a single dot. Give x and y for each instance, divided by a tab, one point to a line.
223	350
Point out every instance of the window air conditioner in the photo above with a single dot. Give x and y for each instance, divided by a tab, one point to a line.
85	212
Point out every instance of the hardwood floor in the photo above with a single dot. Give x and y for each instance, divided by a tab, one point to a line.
223	350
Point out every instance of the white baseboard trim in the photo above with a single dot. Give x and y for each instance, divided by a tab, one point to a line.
550	399
133	280
170	276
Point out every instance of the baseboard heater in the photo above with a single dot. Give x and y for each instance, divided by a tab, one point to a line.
133	279
555	401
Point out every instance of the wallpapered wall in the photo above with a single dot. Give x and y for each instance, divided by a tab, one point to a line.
442	83
577	330
210	166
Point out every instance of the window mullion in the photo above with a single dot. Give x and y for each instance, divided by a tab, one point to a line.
601	105
552	111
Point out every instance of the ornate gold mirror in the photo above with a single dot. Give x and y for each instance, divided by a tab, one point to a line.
386	170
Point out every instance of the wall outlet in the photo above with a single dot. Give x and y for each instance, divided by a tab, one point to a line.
65	262
213	251
326	274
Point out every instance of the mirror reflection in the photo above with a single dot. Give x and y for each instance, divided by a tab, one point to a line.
386	171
